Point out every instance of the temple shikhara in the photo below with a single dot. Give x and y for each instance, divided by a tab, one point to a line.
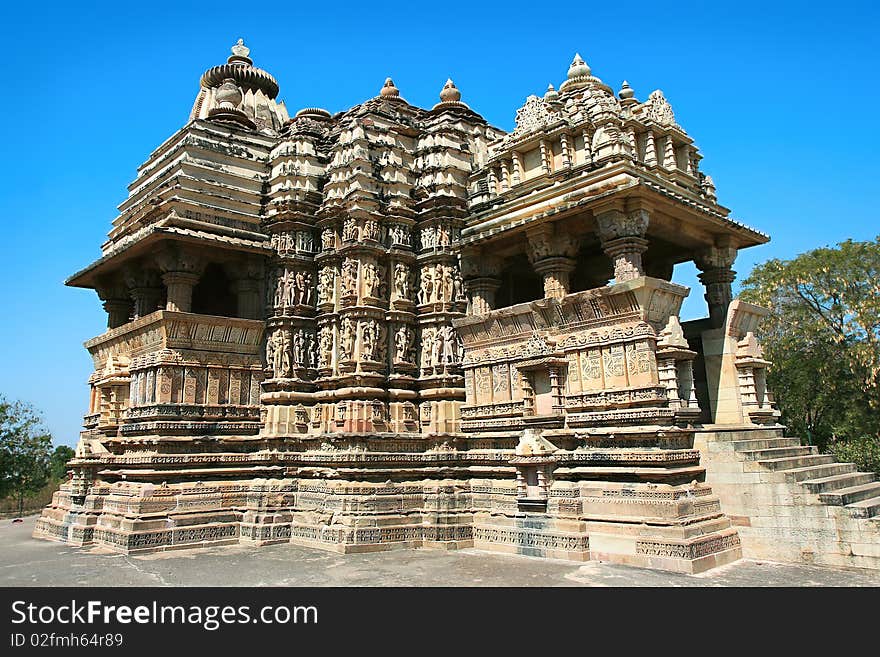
404	327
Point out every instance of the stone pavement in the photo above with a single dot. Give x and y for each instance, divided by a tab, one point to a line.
25	561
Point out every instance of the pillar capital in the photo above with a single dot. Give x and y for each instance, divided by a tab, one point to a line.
481	292
716	275
622	235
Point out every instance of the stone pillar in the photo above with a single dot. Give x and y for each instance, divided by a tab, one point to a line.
551	252
246	277
181	270
717	276
180	288
145	289
117	302
481	292
481	273
622	235
556	272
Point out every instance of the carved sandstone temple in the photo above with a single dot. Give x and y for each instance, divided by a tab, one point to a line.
397	326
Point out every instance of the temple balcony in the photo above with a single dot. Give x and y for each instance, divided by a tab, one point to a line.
174	372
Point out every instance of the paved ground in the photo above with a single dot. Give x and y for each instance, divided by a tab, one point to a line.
28	562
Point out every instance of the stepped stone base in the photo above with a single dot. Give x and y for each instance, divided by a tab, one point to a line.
671	527
789	503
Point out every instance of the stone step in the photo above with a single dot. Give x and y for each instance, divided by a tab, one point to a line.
764	443
794	462
778	452
869	508
819	471
845	496
834	482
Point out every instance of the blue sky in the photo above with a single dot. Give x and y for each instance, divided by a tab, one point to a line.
778	97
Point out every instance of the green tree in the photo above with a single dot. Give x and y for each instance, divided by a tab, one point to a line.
823	337
25	451
58	461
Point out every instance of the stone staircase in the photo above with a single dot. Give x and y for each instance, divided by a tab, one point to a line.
791	503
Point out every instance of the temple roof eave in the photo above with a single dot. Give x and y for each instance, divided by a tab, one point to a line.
562	198
114	259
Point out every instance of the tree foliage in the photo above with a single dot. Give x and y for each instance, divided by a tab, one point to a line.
823	337
58	461
25	451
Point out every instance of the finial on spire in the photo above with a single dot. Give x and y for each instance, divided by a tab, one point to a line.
552	95
450	93
389	91
578	68
240	49
240	54
626	92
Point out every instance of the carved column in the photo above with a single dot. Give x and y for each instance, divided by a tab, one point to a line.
145	289
181	270
717	277
180	288
622	235
551	253
246	277
481	279
117	302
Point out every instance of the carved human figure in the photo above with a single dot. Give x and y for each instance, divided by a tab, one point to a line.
299	348
447	284
401	281
368	340
442	236
349	230
426	292
325	343
346	339
371	280
427	344
402	341
326	282
371	230
300	286
437	283
311	347
328	239
349	277
449	344
457	286
289	289
437	349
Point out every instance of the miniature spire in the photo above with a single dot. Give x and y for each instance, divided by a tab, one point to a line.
626	92
389	91
552	95
450	96
240	54
450	93
578	68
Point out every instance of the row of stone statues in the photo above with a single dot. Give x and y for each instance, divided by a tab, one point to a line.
393	235
359	339
441	283
293	288
293	241
286	349
441	346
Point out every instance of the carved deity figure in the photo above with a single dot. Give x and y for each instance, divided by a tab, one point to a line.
371	280
449	345
368	340
349	277
371	230
402	344
401	281
349	231
427	344
298	348
346	339
326	283
426	292
325	344
328	239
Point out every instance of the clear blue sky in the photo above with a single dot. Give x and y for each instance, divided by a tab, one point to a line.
778	96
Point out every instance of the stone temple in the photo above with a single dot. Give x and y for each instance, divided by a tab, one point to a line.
404	327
